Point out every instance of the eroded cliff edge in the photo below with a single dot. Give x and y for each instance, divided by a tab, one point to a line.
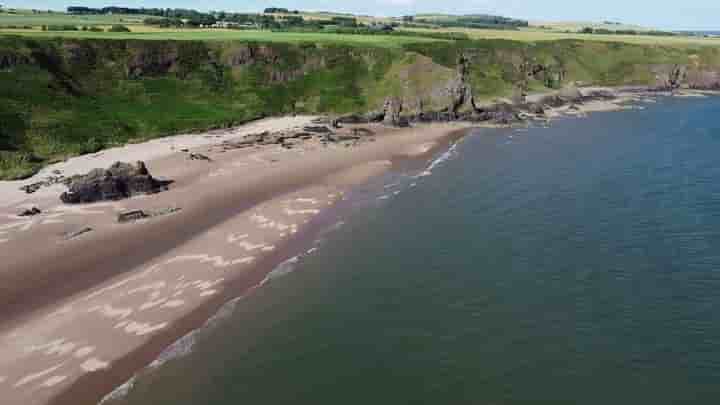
61	97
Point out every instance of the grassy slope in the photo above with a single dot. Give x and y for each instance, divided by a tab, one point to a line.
82	95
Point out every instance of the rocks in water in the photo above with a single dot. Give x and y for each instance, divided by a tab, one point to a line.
30	212
121	180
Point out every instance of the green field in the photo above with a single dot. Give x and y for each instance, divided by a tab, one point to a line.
535	34
66	93
549	32
385	41
27	17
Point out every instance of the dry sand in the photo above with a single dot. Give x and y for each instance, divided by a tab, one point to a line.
78	308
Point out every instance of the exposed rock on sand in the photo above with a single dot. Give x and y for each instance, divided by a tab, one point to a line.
121	180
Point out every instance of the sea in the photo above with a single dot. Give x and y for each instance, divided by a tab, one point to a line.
572	264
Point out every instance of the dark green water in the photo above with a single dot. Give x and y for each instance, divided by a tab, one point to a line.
578	264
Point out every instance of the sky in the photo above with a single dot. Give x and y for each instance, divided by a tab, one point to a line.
662	14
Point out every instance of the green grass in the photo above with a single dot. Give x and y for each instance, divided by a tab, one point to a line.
64	96
26	17
385	41
536	35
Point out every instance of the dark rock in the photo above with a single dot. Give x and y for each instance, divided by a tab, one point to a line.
30	212
375	116
121	180
31	188
199	156
536	108
75	234
570	94
317	129
393	108
351	119
129	216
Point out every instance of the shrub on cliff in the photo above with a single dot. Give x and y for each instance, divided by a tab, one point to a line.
119	28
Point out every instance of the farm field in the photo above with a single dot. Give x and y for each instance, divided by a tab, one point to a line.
28	18
533	34
149	33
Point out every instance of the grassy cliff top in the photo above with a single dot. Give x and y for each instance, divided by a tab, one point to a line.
385	41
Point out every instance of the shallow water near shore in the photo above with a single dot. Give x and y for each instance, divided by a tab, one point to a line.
570	264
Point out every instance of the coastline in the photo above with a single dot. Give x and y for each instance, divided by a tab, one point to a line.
315	176
50	354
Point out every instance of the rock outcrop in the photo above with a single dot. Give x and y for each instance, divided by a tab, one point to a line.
460	90
121	180
392	112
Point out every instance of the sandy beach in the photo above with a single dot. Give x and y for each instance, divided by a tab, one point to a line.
88	301
81	314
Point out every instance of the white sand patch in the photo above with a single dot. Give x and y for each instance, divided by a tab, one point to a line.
250	247
120	283
56	347
307	200
141	329
268	248
62	311
215	261
21	226
152	304
219	172
121	325
4	240
232	238
108	311
261	219
290	211
40	374
54	380
208	293
204	285
2	379
159	285
84	351
94	364
173	304
79	210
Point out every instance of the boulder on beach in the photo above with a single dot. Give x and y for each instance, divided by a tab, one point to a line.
121	180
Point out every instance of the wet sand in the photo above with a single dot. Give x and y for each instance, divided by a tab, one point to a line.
80	316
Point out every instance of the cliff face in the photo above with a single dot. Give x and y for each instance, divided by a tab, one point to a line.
70	96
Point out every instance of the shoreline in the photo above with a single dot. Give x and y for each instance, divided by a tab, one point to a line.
39	340
335	170
105	388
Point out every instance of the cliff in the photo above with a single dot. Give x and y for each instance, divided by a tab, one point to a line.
61	97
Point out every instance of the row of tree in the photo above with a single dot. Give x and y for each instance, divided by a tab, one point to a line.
605	31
